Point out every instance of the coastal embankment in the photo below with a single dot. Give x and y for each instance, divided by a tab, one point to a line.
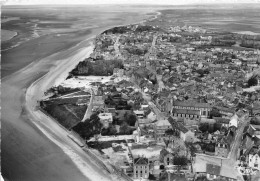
19	118
34	146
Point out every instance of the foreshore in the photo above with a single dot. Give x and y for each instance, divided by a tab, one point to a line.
22	90
7	35
13	87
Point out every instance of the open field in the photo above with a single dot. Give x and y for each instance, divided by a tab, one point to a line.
68	115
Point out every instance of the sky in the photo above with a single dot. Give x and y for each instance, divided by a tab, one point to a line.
156	2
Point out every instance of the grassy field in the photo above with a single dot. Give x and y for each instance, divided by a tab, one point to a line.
67	115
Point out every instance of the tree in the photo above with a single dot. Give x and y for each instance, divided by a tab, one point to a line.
201	72
210	147
131	119
202	178
255	120
252	81
203	127
191	148
89	127
166	141
125	129
161	167
169	132
151	177
180	161
214	113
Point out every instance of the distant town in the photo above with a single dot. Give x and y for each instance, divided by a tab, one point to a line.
167	102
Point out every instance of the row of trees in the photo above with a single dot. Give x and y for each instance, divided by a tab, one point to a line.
136	50
89	128
211	128
253	81
119	30
124	129
98	67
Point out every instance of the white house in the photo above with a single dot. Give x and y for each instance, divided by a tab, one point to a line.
233	121
254	159
139	114
187	135
152	116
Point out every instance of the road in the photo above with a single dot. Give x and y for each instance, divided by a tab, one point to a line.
244	120
116	47
90	107
158	77
151	48
229	163
159	114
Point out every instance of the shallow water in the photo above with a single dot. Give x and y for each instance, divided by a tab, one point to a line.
27	154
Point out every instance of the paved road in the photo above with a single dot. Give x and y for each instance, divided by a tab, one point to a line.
151	48
155	109
229	163
243	121
116	47
90	107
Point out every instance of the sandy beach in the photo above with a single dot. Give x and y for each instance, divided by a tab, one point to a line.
34	146
60	165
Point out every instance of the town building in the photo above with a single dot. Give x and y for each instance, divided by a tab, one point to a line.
254	158
222	148
166	158
160	127
185	134
141	168
214	172
204	108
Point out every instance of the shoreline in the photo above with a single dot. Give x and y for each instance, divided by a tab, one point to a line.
247	33
34	79
48	126
8	34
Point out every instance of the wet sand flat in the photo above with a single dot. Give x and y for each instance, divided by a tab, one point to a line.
7	35
34	146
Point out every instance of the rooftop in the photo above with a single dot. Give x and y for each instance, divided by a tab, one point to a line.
141	161
191	104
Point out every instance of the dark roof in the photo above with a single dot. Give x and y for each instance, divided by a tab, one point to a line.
111	110
186	111
177	125
221	120
254	151
141	161
191	104
164	152
213	169
225	109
